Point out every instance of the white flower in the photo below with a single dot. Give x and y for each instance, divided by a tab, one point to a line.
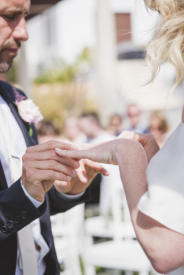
28	111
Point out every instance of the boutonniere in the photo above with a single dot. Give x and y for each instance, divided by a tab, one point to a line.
28	111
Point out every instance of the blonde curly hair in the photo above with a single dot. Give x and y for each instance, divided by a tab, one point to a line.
168	42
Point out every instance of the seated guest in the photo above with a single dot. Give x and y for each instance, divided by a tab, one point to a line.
115	124
158	127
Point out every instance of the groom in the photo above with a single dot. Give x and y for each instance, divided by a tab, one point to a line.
31	179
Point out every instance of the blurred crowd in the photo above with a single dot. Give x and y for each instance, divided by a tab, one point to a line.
88	128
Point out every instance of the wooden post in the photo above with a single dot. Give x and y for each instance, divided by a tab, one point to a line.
23	78
108	93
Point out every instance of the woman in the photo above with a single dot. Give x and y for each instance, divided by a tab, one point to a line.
158	127
155	194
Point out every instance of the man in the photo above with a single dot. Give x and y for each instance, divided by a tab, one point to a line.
89	124
71	130
115	124
134	115
30	187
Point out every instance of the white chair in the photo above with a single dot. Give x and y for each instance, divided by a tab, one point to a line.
126	255
68	237
114	219
122	252
122	255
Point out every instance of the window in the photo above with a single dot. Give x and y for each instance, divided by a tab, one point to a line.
123	27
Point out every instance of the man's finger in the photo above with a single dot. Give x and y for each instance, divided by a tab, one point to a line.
62	186
51	155
53	165
52	144
48	175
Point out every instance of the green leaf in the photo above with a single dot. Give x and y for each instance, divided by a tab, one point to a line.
30	131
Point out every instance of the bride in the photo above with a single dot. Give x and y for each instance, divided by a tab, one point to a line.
153	179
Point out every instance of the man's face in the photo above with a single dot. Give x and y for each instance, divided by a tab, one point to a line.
86	126
134	114
12	30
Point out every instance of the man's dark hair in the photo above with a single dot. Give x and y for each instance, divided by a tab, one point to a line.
47	127
93	116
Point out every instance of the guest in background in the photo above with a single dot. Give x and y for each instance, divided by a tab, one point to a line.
90	125
71	130
115	124
158	127
134	115
47	131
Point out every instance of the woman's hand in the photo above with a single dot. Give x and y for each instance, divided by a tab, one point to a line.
149	144
104	152
84	175
146	140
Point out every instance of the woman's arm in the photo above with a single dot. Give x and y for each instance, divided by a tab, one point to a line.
164	247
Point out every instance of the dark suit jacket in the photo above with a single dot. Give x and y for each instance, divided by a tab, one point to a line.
16	210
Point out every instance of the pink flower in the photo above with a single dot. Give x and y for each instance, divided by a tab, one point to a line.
28	111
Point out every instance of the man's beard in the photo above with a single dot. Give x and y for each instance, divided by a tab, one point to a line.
5	66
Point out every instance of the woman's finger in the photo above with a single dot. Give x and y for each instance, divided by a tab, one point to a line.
96	166
81	173
82	154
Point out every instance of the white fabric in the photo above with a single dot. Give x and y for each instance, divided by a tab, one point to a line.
164	200
19	152
34	202
28	259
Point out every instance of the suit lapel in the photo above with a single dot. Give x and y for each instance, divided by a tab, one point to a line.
29	140
7	93
2	178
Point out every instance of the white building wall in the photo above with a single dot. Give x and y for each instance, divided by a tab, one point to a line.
74	28
143	23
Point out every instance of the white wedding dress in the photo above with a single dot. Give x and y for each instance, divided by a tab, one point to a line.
164	200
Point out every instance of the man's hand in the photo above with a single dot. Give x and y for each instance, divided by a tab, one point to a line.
85	174
42	167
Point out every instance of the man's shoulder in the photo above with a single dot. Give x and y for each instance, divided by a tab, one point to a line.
10	92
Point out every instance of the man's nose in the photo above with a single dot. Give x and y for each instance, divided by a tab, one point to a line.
20	32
